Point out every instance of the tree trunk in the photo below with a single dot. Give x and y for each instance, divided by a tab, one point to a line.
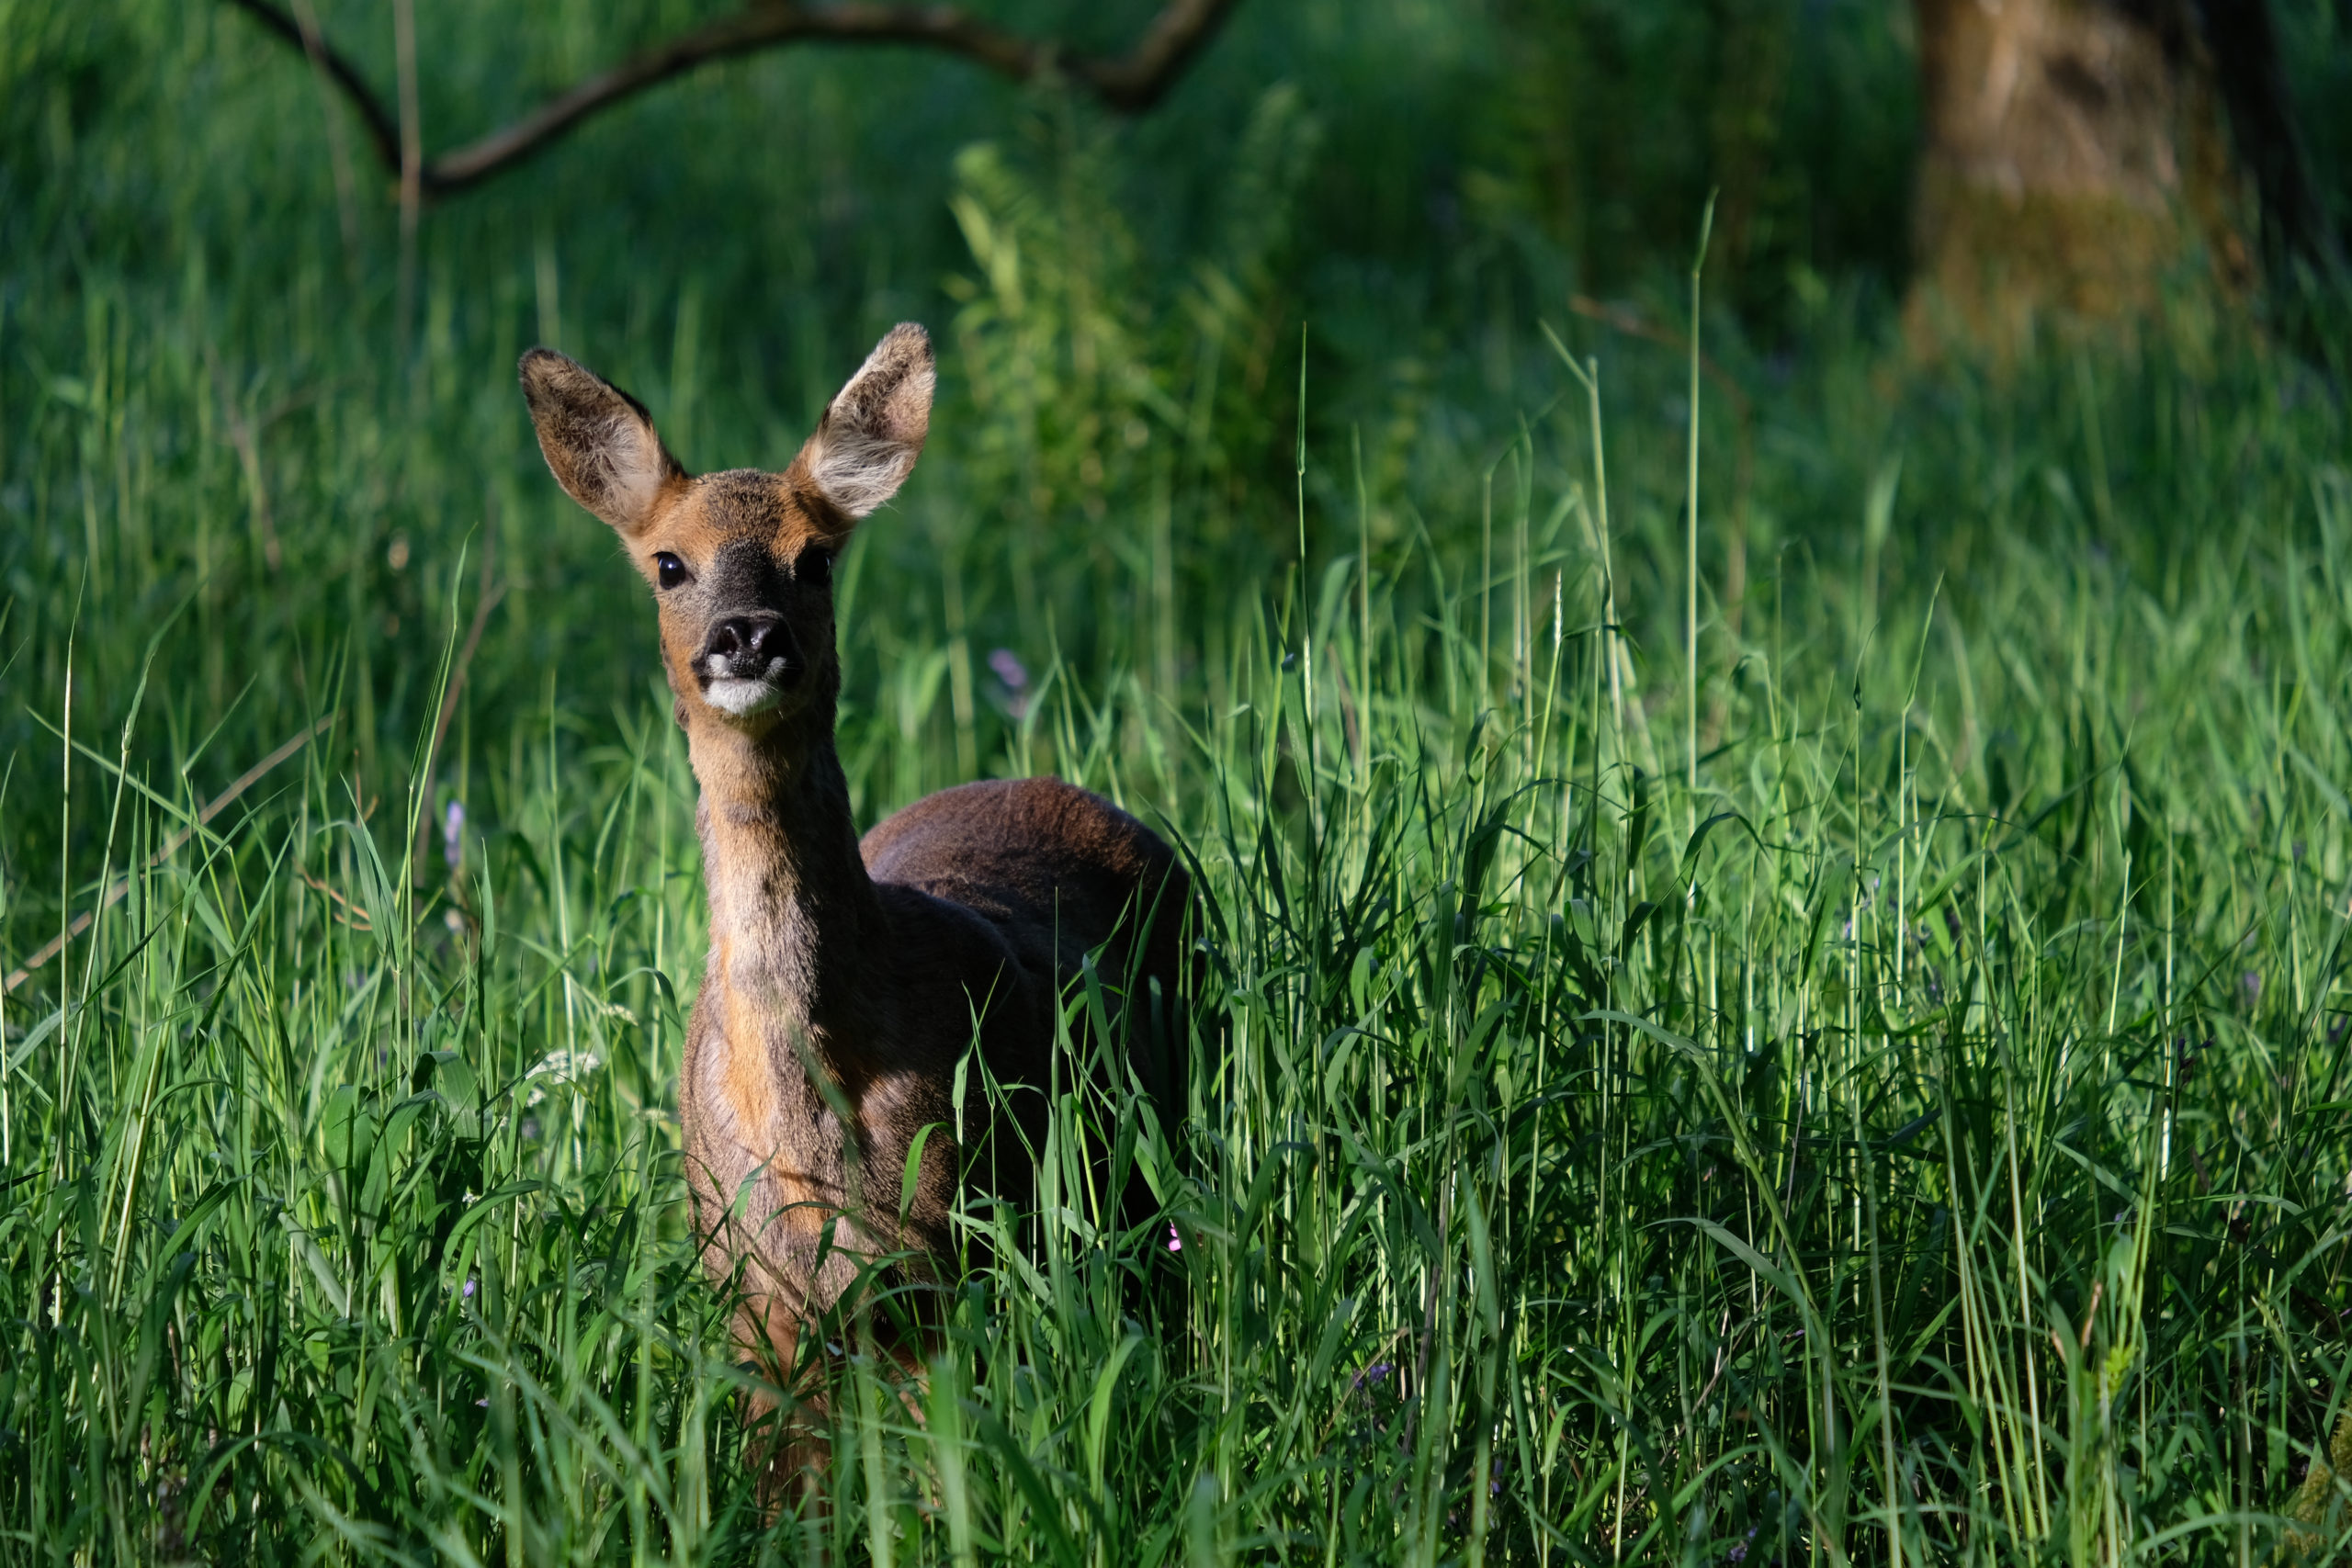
2078	164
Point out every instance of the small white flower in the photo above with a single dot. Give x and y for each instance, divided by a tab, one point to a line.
567	1070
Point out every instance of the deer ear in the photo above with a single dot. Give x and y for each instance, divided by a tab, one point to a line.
598	440
872	432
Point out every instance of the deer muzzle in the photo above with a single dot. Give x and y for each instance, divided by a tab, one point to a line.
747	664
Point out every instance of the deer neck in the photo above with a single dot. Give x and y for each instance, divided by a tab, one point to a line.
794	918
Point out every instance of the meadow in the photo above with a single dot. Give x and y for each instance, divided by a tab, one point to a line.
1775	920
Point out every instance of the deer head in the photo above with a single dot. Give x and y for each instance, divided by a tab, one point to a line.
741	561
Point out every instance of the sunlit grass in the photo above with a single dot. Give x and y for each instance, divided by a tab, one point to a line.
1926	1137
1922	1137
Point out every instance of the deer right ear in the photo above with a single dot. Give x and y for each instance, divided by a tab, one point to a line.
598	441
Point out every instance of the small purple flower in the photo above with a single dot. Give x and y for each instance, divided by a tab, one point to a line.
453	827
1374	1373
1175	1241
1009	669
468	1291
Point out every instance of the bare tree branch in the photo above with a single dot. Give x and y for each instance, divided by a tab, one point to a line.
1130	82
382	132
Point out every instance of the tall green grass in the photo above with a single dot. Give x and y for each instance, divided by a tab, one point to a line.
1924	1139
1911	1129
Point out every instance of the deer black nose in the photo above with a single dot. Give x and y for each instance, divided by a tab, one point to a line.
752	646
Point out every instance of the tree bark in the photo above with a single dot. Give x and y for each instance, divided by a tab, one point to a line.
2086	159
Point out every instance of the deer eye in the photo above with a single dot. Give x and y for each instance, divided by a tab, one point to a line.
669	569
814	568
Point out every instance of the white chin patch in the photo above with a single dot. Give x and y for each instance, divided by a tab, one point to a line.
739	698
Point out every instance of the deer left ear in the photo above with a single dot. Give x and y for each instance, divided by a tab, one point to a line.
873	430
598	440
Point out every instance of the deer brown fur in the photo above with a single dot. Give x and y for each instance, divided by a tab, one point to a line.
845	982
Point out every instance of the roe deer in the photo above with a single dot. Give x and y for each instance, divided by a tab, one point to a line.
845	980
